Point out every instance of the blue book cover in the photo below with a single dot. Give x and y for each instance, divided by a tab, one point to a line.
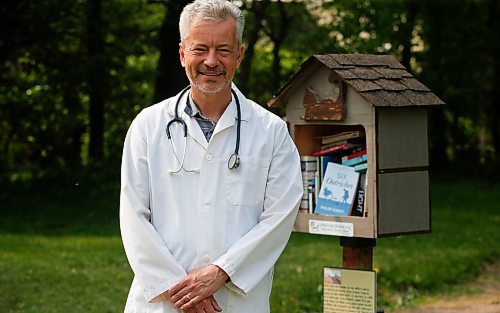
337	192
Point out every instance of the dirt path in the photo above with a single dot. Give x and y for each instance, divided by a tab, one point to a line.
481	296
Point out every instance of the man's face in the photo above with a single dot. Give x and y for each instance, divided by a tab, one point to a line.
211	54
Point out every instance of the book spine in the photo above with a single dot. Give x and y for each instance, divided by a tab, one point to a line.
361	168
341	136
307	178
317	186
311	200
331	149
355	161
309	166
358	208
308	163
333	144
354	155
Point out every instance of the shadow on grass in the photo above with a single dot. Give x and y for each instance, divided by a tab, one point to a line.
77	208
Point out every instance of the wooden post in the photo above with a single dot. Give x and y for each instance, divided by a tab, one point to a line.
357	253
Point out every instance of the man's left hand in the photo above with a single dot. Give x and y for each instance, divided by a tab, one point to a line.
209	305
199	284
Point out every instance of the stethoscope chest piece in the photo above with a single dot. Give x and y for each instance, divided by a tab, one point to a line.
233	162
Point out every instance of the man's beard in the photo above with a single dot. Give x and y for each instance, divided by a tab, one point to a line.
212	89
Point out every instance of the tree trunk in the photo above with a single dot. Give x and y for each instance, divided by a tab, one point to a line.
493	115
438	124
96	78
170	75
72	149
258	9
278	36
411	10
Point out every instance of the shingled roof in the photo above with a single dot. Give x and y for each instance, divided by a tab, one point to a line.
380	79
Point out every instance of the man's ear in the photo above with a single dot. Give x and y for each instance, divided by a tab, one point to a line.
181	54
241	54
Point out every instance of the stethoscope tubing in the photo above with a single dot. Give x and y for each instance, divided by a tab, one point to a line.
176	118
234	159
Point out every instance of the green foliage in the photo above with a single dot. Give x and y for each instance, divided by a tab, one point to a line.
44	90
459	63
46	65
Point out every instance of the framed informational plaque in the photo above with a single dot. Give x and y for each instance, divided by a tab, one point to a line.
349	291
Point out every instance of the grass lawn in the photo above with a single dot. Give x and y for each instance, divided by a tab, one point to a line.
61	252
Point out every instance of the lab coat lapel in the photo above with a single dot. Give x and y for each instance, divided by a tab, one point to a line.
194	129
230	115
227	119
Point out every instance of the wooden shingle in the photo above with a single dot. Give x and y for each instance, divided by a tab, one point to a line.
365	72
389	73
391	84
364	85
414	84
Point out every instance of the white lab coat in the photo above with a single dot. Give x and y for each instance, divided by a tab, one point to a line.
239	220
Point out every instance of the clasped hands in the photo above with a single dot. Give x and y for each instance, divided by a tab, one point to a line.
194	293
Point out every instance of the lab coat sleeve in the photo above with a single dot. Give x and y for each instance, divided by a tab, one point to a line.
153	265
254	255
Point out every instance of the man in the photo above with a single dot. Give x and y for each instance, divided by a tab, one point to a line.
203	218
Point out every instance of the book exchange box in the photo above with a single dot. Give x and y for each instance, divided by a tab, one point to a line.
369	115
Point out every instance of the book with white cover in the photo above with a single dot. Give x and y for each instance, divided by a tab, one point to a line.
337	192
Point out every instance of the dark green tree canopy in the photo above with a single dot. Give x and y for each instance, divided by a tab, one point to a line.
73	74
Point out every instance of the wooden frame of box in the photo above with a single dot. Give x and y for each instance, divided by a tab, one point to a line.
334	93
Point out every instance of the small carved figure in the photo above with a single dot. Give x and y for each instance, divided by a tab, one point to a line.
326	109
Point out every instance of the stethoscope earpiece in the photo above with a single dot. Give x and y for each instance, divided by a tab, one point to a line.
234	159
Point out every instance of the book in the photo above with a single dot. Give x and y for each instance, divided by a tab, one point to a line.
360	141
361	168
323	161
354	161
310	182
308	163
307	182
358	209
337	191
344	147
341	136
354	155
310	192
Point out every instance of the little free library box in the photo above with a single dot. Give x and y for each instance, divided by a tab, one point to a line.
375	96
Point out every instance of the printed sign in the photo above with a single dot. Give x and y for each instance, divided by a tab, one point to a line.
331	228
349	291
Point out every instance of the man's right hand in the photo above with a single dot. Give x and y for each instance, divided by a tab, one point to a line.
208	305
198	285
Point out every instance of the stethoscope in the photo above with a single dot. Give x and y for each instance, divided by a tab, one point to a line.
233	161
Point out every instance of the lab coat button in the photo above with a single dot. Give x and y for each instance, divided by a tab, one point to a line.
209	157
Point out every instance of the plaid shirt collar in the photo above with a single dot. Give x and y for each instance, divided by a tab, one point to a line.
206	125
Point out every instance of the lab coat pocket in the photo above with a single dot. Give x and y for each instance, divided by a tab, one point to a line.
246	185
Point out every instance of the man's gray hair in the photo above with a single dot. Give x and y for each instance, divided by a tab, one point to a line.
212	11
